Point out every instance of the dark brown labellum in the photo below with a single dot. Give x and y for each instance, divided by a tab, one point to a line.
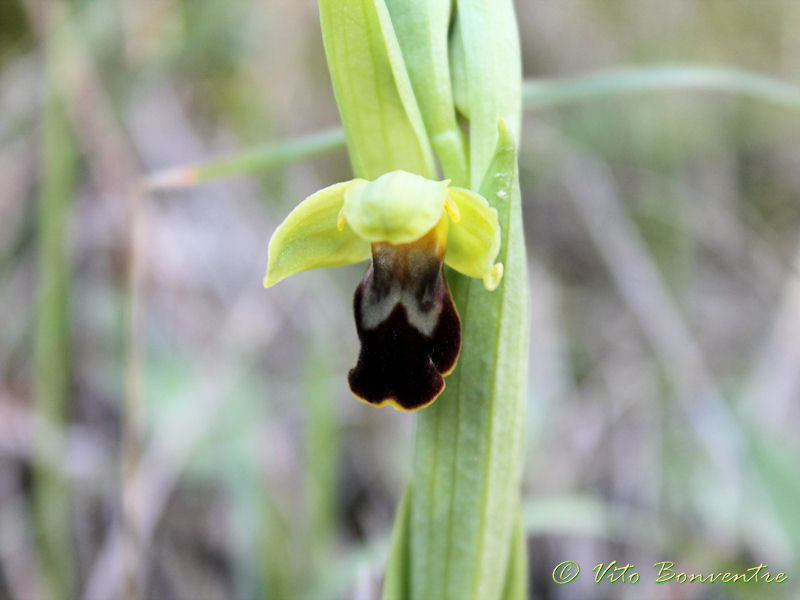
408	326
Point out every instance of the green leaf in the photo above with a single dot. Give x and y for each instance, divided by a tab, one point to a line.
516	587
309	237
468	452
396	579
543	94
51	349
381	118
458	73
487	38
253	160
422	28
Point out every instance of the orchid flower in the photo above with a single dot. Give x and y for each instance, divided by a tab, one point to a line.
406	321
423	87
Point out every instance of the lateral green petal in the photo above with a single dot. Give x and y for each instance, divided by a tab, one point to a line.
397	207
309	237
474	241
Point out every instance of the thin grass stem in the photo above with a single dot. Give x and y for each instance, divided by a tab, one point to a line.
51	346
544	94
257	159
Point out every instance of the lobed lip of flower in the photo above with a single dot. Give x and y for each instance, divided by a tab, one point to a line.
338	225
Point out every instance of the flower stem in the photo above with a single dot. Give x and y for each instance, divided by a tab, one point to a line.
543	94
468	452
51	492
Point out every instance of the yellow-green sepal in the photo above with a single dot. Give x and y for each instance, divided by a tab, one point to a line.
473	244
309	237
397	207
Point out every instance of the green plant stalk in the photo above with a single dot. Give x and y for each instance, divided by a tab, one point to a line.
468	450
516	585
322	455
51	494
465	539
543	94
262	158
397	580
456	528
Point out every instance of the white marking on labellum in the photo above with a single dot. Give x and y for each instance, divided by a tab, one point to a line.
408	275
375	310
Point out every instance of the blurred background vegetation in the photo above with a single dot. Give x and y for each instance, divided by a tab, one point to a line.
169	429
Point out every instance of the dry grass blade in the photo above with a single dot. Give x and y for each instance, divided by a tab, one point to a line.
775	375
596	199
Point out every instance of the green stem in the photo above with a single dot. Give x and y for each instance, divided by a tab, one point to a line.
397	579
51	357
322	445
468	452
544	94
269	156
516	586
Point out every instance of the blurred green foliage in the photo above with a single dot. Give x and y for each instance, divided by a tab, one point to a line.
286	485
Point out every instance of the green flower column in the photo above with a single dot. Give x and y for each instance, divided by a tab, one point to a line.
421	82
